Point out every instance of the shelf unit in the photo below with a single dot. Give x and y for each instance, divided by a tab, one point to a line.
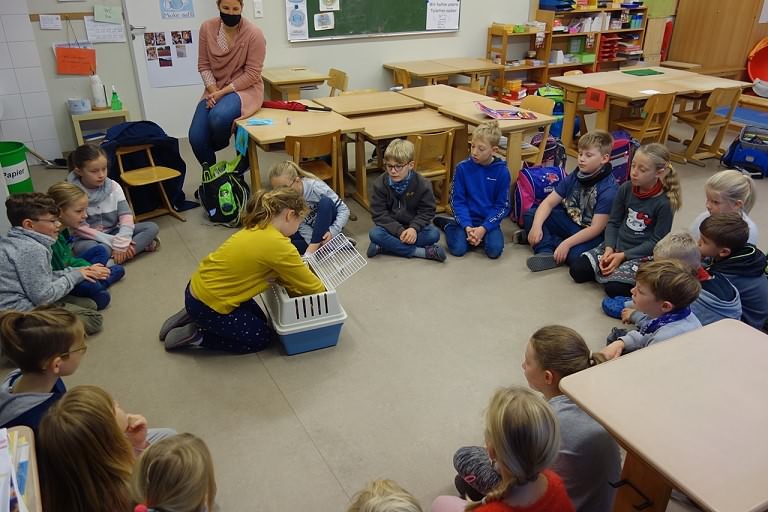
92	124
598	49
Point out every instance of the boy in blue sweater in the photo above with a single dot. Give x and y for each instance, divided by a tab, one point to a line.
724	239
663	291
479	197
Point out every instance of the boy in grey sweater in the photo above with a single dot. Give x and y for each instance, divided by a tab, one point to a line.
26	277
664	291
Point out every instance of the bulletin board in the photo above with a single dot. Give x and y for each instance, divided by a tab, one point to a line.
373	18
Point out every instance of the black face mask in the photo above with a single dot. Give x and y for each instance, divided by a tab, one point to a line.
230	20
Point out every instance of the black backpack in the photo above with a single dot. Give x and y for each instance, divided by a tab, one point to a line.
223	193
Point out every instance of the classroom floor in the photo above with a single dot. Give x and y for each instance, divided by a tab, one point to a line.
423	349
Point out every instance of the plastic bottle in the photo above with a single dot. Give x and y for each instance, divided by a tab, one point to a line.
116	103
99	93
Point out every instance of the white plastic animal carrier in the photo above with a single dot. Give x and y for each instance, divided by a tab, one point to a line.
312	322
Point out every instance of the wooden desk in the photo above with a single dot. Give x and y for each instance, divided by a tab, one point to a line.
301	124
622	88
369	103
474	68
513	129
690	413
436	96
427	70
286	83
401	124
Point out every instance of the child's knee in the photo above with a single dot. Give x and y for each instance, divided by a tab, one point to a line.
581	270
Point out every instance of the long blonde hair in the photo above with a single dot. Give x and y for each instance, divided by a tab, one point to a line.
562	350
65	194
384	496
734	186
265	205
524	433
289	169
85	459
175	474
662	161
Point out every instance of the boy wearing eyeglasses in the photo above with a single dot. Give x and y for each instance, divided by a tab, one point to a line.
26	276
402	207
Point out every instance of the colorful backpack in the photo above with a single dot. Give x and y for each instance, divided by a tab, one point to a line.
223	193
624	147
749	152
554	151
532	186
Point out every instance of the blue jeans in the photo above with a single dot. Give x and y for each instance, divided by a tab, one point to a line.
211	129
325	215
241	331
456	238
390	244
557	228
97	291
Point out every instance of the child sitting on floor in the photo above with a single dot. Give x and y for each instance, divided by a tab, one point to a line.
327	213
572	218
729	191
724	239
402	207
663	292
479	197
384	496
110	219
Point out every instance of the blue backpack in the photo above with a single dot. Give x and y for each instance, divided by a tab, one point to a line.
749	153
624	147
532	186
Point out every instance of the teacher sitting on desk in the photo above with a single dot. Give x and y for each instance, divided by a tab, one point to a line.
230	60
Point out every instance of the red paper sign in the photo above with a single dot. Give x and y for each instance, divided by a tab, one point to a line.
75	61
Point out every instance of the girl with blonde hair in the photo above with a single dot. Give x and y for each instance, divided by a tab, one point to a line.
642	214
384	496
73	205
220	312
522	437
588	458
729	191
327	213
175	474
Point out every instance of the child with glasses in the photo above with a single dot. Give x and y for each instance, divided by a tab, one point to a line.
402	207
26	276
45	344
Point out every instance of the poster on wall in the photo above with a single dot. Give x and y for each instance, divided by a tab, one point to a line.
171	58
443	14
176	9
296	19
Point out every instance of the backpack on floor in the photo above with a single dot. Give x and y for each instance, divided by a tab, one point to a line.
624	147
223	193
554	151
532	186
749	152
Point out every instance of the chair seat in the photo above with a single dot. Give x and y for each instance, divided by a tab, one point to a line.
148	175
699	117
431	169
637	124
319	168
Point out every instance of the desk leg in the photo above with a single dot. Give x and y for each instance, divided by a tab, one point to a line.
361	173
275	93
647	480
253	161
293	93
514	153
603	120
569	116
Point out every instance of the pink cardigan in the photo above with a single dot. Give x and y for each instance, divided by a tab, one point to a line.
240	66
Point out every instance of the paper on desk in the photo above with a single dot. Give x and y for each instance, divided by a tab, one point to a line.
650	91
258	121
50	22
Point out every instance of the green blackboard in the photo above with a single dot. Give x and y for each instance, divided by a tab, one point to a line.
368	18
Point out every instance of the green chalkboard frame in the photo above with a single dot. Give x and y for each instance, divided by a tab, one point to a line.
372	18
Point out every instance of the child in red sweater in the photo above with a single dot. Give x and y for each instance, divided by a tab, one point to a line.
522	437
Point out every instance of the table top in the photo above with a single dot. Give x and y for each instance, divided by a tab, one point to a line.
439	95
401	124
612	77
292	75
423	68
471	64
301	124
694	409
469	113
369	103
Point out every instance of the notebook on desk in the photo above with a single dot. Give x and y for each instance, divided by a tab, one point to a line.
506	114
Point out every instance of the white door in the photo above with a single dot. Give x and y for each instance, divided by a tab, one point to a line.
162	63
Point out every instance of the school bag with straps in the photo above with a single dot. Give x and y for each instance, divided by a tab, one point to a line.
554	151
223	193
624	147
532	186
749	152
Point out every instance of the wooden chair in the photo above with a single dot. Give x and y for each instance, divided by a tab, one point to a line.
401	77
540	105
654	125
338	81
146	176
702	120
581	109
308	152
433	154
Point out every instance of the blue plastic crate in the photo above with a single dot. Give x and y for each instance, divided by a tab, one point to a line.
313	339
